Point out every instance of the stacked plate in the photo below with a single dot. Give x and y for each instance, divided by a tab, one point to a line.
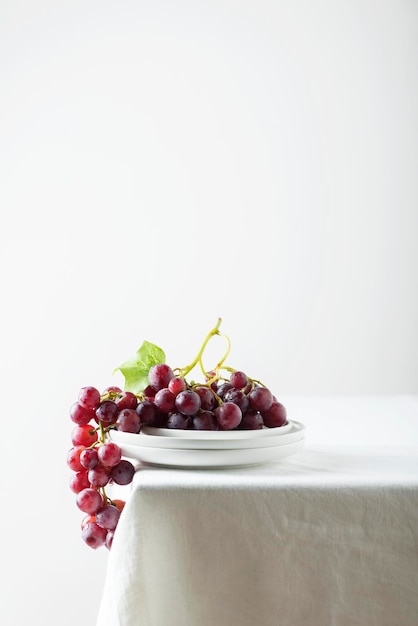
210	449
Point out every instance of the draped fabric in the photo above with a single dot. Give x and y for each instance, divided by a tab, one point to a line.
327	537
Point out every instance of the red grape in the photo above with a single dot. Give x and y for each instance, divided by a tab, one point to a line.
127	400
252	420
89	397
275	416
237	397
128	421
110	454
89	500
238	380
83	435
205	420
94	535
260	399
176	385
160	375
79	481
99	476
80	415
188	402
89	458
123	472
177	420
229	415
147	412
73	458
207	398
164	400
107	412
108	517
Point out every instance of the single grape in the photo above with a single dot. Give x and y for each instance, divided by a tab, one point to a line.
228	415
127	400
237	397
160	375
205	420
238	379
94	535
123	472
107	412
223	388
275	416
110	454
128	421
73	458
89	500
208	400
260	399
177	420
108	517
84	435
164	400
79	481
89	397
147	412
98	476
188	402
252	420
176	385
80	415
89	458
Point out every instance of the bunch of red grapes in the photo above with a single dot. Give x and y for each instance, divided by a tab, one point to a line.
97	463
237	402
218	404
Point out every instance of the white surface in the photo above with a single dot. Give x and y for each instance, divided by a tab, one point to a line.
263	153
326	536
163	163
358	422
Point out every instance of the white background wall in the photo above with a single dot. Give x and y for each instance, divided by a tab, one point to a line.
164	163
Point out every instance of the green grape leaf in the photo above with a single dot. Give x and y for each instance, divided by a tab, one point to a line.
135	370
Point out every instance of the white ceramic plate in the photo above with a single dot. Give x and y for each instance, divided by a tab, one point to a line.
210	459
225	440
216	434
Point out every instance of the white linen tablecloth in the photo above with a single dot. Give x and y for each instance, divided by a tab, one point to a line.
327	537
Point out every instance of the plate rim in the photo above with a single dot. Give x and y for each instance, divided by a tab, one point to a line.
203	443
211	459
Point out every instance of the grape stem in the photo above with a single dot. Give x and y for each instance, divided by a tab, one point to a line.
102	432
198	359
